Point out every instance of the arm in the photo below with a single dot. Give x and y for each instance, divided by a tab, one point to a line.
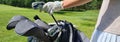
50	7
73	3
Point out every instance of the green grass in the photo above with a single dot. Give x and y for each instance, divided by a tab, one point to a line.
85	21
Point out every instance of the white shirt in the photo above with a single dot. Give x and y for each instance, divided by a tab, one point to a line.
109	17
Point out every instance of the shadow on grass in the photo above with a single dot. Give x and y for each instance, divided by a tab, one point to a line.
68	11
60	12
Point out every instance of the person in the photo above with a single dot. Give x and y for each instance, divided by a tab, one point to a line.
50	7
107	26
108	23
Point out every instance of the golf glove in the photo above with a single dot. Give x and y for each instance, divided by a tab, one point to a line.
50	7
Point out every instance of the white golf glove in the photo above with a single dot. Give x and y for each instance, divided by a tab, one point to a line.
50	7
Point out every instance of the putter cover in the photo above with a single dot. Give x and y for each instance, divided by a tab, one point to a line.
29	28
15	19
24	26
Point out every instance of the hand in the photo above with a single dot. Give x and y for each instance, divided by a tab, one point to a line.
50	7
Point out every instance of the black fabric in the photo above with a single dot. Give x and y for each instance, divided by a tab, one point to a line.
11	25
66	34
33	39
76	36
36	17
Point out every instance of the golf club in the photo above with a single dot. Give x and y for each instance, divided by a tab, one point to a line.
36	17
38	5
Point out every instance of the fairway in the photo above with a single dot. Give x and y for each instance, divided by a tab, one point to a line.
85	21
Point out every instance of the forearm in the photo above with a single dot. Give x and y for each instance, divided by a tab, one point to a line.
73	3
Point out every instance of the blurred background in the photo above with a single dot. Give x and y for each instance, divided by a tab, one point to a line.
95	4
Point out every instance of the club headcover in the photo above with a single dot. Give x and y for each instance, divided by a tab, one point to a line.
12	23
29	28
24	26
42	24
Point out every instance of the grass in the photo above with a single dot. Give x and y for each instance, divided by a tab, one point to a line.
85	21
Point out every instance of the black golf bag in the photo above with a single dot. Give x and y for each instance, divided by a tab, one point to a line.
40	31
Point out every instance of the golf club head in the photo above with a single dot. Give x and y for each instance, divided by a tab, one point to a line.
15	19
29	28
38	5
36	17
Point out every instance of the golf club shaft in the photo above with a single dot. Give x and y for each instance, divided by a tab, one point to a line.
54	19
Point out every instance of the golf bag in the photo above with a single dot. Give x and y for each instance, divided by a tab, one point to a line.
40	31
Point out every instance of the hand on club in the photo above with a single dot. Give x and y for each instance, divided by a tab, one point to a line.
49	7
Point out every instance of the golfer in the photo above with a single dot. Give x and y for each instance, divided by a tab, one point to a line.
107	28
